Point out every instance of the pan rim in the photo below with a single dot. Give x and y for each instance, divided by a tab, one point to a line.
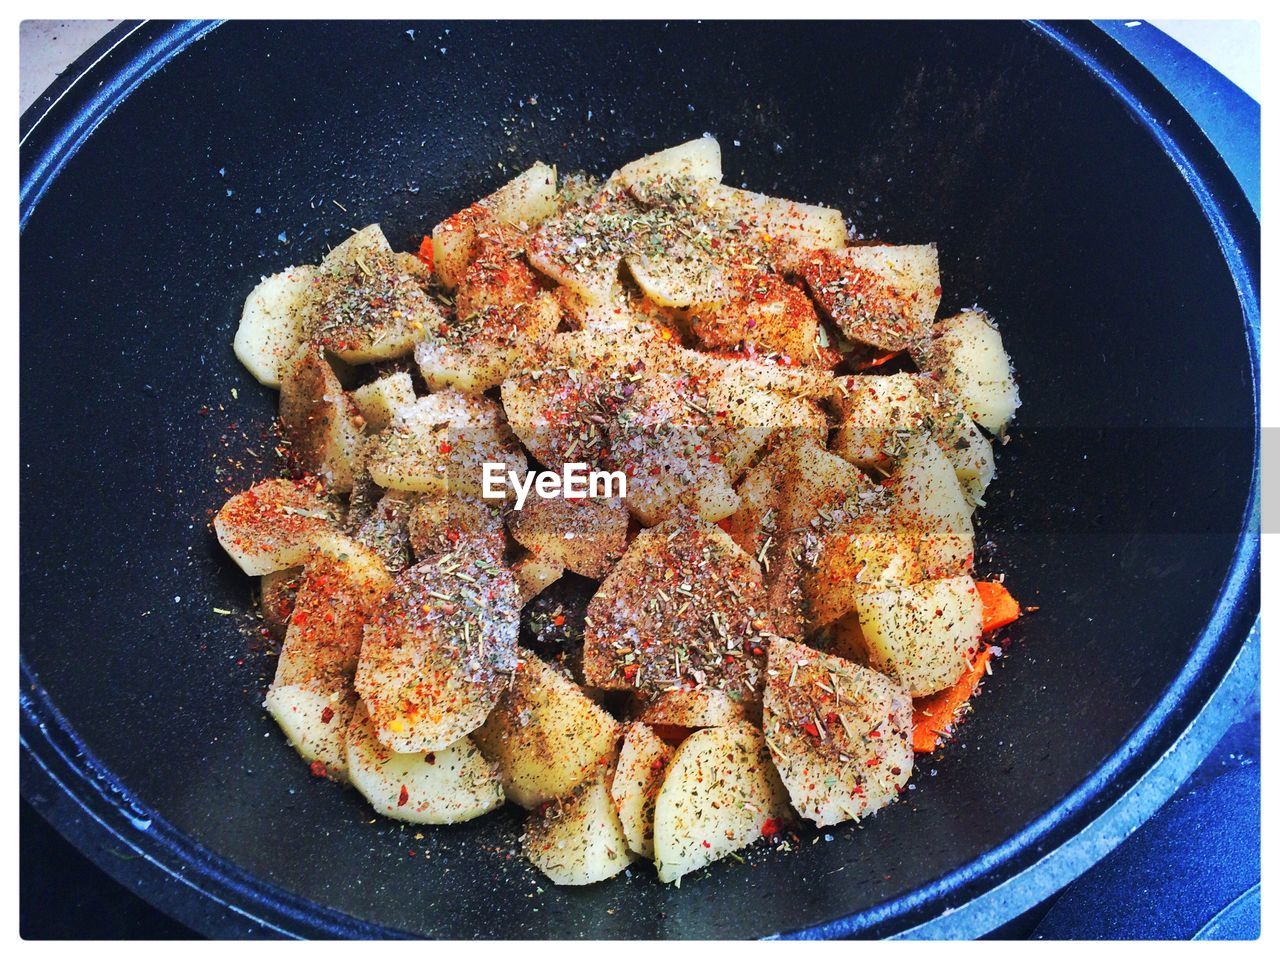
90	800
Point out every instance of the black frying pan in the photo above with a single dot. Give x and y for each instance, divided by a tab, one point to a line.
1069	195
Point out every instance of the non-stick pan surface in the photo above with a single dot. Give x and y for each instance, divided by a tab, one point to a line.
1068	195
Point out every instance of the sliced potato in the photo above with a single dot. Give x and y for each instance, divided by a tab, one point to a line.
534	574
663	439
522	202
922	636
438	652
584	535
683	608
968	354
579	247
379	400
695	160
839	734
318	419
877	417
314	717
270	330
578	839
642	763
386	530
442	523
883	296
476	351
274	524
545	734
720	792
440	444
693	709
450	785
761	312
366	242
932	510
343	583
789	222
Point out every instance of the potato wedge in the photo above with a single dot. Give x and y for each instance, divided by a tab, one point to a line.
270	330
693	709
584	535
379	400
683	608
442	523
363	306
720	792
343	584
314	717
579	247
761	312
663	438
578	839
476	351
786	222
883	296
386	530
274	524
534	574
440	444
450	785
522	203
968	354
318	419
637	778
439	651
839	733
545	735
694	160
921	636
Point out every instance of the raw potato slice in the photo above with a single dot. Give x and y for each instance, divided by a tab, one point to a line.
450	785
579	247
442	524
437	654
922	636
319	419
545	734
839	734
343	584
522	202
386	530
379	400
363	306
314	718
682	609
969	356
578	839
695	160
534	574
273	525
477	351
270	330
932	511
440	444
585	535
693	709
761	312
642	763
785	221
877	416
662	439
719	793
882	296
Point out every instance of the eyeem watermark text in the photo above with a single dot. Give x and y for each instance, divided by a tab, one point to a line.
574	482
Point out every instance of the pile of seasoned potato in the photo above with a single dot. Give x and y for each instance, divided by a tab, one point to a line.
737	642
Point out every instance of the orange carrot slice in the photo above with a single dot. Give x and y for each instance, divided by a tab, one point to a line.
427	253
998	606
935	714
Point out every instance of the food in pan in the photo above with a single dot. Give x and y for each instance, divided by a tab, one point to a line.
779	607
